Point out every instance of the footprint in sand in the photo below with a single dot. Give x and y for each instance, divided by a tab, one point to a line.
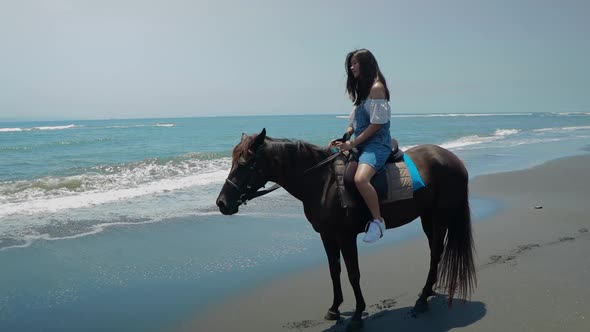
385	304
495	259
304	324
526	247
566	238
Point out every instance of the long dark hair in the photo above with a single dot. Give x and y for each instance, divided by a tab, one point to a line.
369	73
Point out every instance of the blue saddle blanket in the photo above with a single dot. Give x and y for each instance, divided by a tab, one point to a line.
417	182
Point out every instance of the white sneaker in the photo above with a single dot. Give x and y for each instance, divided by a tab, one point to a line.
374	231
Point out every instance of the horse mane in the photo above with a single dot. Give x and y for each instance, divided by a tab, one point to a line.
281	146
296	148
241	149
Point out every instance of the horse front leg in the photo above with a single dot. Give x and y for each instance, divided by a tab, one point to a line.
333	253
350	253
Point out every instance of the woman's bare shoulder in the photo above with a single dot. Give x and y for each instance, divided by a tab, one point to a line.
377	91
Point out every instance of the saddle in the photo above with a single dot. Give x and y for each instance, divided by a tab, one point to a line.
392	183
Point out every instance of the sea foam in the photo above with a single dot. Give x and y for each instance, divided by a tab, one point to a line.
478	139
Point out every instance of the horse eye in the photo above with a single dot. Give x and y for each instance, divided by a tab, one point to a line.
242	161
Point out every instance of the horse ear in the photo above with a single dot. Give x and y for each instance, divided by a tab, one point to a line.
258	140
244	136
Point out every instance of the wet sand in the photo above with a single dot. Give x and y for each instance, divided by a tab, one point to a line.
533	268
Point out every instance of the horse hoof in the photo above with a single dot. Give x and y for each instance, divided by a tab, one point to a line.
332	315
355	325
419	308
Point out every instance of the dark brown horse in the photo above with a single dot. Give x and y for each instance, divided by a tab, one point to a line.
442	207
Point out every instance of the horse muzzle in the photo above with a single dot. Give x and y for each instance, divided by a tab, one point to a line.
225	208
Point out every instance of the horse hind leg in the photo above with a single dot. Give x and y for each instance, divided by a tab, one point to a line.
436	235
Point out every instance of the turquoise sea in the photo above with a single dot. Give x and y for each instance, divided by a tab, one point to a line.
111	225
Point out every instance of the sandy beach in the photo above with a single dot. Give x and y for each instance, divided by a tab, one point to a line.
532	264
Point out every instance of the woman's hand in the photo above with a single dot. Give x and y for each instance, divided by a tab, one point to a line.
338	141
348	145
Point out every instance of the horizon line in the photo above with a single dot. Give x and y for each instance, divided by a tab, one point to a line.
12	120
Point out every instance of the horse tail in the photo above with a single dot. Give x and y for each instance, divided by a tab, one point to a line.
457	270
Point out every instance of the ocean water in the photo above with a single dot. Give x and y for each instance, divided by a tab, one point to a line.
112	224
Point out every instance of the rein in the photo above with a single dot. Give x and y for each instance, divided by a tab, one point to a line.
344	138
248	194
245	197
323	162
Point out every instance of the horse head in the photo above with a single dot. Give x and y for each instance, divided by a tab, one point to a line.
248	173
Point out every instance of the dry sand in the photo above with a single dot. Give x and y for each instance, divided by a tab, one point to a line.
533	269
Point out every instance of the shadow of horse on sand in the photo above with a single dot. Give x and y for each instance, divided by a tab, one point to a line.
439	318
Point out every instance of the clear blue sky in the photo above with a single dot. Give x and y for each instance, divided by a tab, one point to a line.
91	59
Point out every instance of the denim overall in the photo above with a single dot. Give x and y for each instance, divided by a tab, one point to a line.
375	150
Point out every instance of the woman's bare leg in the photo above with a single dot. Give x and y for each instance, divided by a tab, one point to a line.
362	179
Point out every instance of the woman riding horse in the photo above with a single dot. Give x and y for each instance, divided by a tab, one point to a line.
442	206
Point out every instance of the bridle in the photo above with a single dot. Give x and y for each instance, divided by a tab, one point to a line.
250	192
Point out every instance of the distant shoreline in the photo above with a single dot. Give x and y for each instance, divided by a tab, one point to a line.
418	114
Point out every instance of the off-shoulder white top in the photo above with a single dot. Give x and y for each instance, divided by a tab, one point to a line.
378	109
